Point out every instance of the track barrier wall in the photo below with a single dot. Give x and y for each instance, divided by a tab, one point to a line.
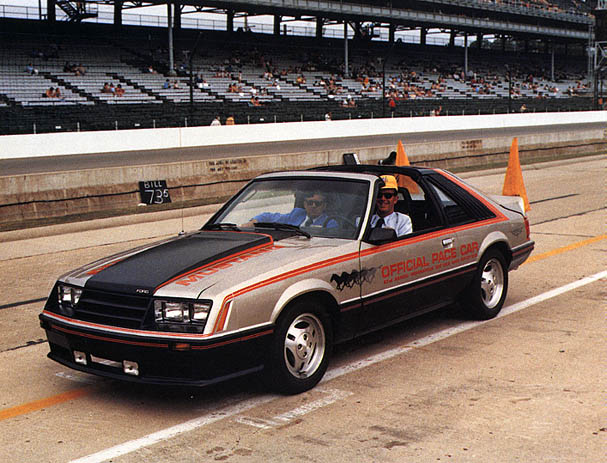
37	198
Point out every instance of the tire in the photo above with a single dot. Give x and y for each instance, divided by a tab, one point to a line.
486	294
301	348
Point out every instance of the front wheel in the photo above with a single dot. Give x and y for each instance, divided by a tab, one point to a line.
487	292
300	350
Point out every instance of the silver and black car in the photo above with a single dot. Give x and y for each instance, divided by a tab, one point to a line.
257	289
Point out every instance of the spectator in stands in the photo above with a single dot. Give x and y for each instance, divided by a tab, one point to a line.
31	70
106	88
151	70
215	122
68	67
230	120
79	70
119	90
112	89
50	93
58	93
167	84
328	116
175	84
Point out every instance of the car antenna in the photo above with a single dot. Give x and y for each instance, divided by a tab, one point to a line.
182	232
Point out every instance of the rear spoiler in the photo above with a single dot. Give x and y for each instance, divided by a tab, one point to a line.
513	203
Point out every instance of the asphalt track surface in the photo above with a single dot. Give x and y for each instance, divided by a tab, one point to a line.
47	164
526	387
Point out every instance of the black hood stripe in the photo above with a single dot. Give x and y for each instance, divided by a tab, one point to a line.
151	268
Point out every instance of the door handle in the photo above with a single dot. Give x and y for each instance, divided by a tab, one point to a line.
448	242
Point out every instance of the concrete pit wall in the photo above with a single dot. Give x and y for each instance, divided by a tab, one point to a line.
32	199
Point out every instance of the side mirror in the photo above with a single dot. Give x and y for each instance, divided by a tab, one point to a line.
381	235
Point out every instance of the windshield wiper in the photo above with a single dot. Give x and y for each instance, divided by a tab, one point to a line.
283	226
221	226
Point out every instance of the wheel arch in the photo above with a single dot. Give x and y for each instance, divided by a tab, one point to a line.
499	242
315	290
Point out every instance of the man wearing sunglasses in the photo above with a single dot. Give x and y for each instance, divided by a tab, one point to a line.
385	216
313	214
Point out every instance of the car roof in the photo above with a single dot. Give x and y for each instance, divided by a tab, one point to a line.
366	176
412	171
358	171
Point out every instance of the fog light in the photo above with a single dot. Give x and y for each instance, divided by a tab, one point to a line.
130	368
80	357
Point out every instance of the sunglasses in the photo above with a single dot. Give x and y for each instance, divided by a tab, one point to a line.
313	202
386	194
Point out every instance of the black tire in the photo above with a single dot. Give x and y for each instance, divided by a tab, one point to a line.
487	292
301	348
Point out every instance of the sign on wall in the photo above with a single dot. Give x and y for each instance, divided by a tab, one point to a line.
154	192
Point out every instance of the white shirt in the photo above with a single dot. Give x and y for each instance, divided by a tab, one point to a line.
401	223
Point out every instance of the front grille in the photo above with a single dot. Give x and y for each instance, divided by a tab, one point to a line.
112	309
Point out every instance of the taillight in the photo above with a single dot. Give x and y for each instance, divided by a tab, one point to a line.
527	228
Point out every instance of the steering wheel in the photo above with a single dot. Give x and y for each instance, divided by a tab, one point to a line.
343	222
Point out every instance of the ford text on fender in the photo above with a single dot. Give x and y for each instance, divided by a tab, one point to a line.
284	270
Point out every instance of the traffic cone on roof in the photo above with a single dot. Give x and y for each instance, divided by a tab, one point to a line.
403	160
513	183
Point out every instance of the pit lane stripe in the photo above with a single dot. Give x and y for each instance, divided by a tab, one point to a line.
230	411
43	403
563	249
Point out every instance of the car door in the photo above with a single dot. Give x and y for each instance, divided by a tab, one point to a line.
413	274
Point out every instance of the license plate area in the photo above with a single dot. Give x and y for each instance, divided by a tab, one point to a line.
128	367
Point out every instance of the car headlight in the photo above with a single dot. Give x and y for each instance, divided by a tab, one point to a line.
68	297
172	312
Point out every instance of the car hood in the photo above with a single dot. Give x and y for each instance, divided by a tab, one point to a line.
144	270
191	264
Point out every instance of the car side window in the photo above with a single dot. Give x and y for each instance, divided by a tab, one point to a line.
454	212
413	201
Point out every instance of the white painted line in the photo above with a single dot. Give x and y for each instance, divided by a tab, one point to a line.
76	378
176	430
333	395
248	404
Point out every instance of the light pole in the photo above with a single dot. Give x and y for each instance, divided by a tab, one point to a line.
509	73
383	73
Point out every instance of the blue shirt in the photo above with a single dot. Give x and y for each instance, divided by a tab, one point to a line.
297	217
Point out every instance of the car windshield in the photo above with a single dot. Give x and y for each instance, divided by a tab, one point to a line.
328	207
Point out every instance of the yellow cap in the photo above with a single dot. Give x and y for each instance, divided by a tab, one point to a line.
390	182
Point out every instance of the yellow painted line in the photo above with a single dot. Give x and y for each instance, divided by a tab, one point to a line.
43	403
77	393
569	247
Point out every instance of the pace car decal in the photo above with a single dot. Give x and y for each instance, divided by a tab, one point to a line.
416	266
348	280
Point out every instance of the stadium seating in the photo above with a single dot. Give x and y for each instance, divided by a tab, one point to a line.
291	78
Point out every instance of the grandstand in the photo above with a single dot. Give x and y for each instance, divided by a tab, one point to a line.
273	78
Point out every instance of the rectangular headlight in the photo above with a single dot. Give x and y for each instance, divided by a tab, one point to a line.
167	311
68	297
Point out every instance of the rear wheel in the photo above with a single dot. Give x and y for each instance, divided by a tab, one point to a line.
487	292
301	348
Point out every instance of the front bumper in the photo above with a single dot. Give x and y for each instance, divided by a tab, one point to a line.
156	361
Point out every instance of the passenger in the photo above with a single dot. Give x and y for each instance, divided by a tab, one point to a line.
385	216
313	214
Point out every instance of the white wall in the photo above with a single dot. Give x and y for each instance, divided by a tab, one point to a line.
56	144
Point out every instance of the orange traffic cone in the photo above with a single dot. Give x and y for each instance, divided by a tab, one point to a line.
401	156
513	183
403	160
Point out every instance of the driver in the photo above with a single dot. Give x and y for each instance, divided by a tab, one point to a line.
313	214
